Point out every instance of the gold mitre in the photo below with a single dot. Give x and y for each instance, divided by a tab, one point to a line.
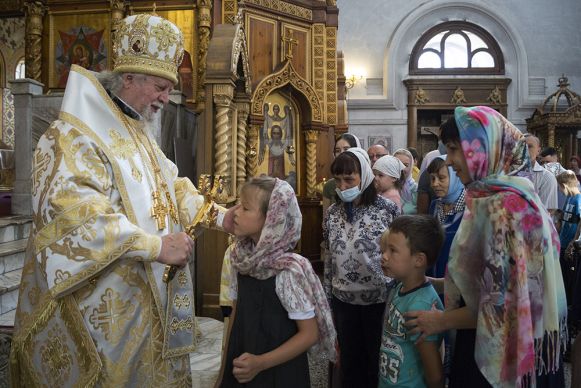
150	45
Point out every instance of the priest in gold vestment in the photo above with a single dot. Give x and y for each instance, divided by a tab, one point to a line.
108	215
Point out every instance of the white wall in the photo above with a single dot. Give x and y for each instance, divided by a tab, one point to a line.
539	39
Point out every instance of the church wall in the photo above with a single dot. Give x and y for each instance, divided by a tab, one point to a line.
539	41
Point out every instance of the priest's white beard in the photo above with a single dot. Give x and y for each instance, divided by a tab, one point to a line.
152	120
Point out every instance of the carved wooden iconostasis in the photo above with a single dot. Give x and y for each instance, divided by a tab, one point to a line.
270	108
432	101
557	122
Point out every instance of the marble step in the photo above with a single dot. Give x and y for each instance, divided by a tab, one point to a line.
9	283
14	228
12	256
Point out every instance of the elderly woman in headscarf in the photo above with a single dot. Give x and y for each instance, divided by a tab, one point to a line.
354	282
448	207
503	286
409	192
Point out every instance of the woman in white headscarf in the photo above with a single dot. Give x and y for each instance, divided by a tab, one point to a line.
354	282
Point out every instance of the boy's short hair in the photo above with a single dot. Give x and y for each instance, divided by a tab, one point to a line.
423	233
548	151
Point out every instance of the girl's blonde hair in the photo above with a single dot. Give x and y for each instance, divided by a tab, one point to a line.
567	180
265	184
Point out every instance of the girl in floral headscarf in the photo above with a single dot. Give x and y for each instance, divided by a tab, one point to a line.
504	278
281	309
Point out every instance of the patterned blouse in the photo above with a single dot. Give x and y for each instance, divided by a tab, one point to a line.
353	255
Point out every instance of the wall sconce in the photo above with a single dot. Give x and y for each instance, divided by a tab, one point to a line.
352	80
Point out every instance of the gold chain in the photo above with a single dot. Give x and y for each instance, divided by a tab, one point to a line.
160	208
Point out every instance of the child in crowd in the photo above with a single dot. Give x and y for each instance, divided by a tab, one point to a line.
411	245
280	309
389	178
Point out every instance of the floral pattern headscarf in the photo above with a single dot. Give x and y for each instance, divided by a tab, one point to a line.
273	254
504	261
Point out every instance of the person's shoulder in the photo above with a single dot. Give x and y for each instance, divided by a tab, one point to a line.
385	203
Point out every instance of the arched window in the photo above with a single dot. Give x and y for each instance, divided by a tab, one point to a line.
456	48
20	70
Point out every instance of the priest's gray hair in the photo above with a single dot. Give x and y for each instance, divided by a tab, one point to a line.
111	81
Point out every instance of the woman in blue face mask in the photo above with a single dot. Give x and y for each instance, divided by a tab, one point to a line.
354	283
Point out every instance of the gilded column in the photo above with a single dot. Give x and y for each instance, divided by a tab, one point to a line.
311	140
551	132
243	110
252	154
223	129
34	11
204	24
117	14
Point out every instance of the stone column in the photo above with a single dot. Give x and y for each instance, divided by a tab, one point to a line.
243	110
23	91
34	11
223	95
117	14
252	154
311	137
204	30
412	126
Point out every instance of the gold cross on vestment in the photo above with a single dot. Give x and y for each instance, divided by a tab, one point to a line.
290	41
158	210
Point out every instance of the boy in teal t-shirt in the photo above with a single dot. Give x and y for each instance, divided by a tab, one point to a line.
411	244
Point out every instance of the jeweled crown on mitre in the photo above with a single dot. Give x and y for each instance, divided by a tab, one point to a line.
148	44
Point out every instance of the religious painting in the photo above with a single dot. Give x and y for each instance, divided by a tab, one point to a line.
277	150
81	40
381	140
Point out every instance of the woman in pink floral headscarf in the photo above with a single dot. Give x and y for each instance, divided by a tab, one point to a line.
503	287
281	310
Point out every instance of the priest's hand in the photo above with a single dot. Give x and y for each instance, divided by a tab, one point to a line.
175	249
246	367
228	223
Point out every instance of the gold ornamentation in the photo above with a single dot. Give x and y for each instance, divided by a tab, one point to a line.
240	51
311	140
60	276
181	324
290	42
421	97
284	7
458	96
204	31
40	163
319	65
183	279
243	109
180	301
56	358
229	10
148	44
111	315
286	75
222	132
34	11
331	84
125	149
495	96
251	153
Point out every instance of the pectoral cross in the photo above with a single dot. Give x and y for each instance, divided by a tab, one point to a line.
158	210
290	41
